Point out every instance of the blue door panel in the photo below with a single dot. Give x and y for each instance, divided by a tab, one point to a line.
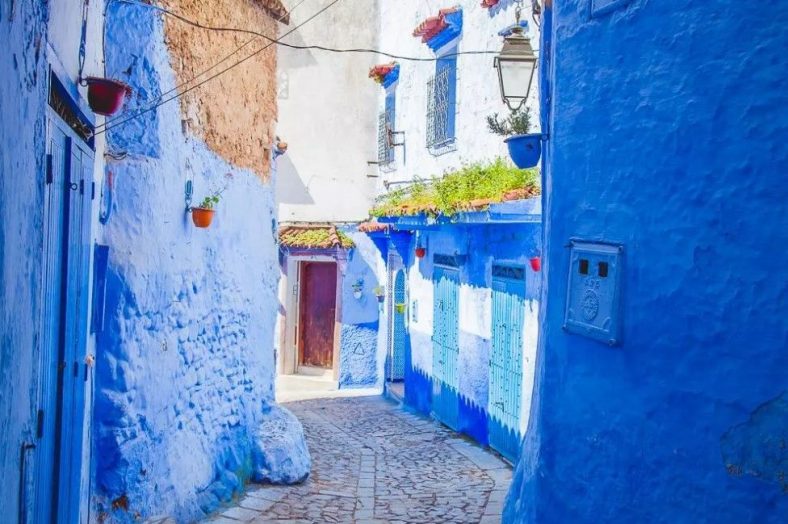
445	346
67	214
508	316
51	336
399	335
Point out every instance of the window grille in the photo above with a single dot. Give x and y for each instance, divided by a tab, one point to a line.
441	105
386	133
385	140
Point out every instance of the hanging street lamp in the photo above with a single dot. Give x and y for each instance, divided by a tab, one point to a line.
516	64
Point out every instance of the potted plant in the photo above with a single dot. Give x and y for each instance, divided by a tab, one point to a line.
420	251
202	215
524	148
105	95
400	308
380	293
358	288
536	263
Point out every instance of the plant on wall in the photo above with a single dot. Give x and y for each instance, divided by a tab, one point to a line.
466	188
358	288
202	215
517	123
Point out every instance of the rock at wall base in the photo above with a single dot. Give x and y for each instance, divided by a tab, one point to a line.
280	455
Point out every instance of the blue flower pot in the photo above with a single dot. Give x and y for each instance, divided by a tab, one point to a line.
525	150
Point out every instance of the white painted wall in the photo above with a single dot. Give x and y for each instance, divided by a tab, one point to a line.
327	114
478	92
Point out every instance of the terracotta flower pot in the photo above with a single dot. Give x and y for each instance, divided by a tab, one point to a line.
202	217
106	96
536	263
420	252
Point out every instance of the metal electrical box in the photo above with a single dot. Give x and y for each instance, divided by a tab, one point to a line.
594	290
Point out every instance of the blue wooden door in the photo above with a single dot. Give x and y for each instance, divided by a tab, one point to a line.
67	215
506	359
445	346
397	371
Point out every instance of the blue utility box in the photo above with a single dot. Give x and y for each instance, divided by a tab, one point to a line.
594	291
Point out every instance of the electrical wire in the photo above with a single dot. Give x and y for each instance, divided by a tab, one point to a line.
201	73
304	47
177	95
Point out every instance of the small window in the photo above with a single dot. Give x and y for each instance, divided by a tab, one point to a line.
386	126
603	269
442	103
583	266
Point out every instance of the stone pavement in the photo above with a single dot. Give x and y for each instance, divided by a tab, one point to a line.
373	462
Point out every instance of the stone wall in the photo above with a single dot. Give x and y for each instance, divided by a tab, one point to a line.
234	114
667	135
185	363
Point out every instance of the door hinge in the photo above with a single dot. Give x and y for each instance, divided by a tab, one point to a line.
93	191
40	424
49	176
82	186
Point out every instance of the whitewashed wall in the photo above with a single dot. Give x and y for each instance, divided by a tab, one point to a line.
327	114
478	93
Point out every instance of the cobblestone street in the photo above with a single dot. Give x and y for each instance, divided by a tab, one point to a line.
374	462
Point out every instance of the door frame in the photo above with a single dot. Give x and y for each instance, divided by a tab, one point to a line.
394	266
289	363
59	465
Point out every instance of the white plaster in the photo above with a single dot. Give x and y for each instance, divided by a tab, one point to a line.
475	304
327	115
478	93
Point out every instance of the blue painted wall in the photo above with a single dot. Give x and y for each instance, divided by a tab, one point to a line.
668	131
185	364
23	85
360	355
511	244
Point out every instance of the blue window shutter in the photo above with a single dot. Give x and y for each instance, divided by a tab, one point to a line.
449	65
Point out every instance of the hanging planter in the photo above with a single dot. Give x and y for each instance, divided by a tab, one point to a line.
358	289
202	217
385	74
420	252
399	308
380	293
106	96
536	263
525	150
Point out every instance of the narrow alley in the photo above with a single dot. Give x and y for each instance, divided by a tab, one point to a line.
374	462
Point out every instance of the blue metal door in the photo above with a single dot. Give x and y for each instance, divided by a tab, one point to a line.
506	359
67	215
397	371
445	346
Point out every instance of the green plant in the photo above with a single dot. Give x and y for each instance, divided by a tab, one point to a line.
517	123
456	189
209	201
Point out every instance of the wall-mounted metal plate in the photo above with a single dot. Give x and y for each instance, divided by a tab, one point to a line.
594	291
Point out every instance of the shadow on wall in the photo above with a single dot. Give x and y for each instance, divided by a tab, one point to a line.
290	189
